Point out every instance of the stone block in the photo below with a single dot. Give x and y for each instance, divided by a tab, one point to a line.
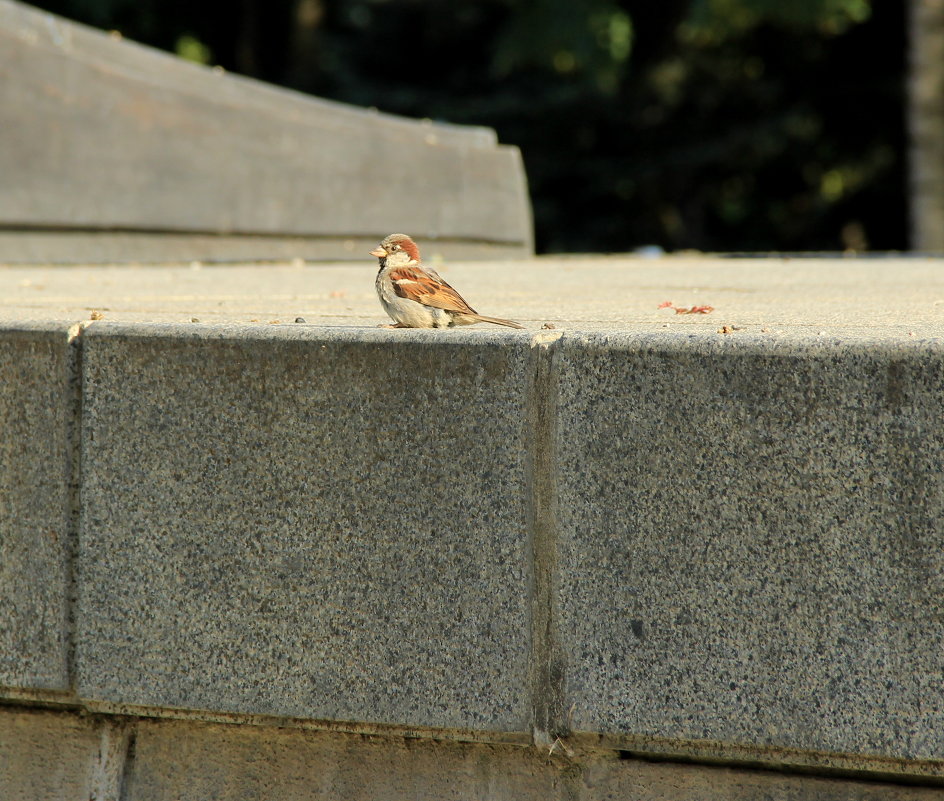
36	413
752	542
308	522
46	756
188	762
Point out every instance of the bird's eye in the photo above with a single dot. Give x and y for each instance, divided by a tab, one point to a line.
394	247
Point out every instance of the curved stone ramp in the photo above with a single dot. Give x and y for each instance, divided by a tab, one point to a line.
112	151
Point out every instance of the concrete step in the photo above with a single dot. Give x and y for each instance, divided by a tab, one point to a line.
175	158
712	537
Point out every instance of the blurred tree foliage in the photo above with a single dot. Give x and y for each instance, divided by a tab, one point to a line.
711	124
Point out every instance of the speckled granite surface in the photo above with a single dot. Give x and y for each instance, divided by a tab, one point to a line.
304	523
37	415
751	541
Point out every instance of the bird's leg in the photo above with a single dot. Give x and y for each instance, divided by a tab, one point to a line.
395	325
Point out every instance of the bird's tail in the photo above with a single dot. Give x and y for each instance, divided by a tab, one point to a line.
498	321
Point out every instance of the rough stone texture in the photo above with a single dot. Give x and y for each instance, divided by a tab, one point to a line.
35	462
187	762
46	756
304	522
752	541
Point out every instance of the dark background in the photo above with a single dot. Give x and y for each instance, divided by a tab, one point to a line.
720	125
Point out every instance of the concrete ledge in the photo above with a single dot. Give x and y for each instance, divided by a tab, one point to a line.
65	247
659	539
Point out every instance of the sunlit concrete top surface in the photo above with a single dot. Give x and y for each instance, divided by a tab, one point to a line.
866	298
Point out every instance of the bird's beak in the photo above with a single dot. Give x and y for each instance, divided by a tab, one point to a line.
379	252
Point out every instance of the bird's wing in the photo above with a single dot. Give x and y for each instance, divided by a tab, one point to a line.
426	287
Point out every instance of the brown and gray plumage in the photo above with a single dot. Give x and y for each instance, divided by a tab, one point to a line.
416	296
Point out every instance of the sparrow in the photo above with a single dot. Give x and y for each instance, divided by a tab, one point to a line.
415	296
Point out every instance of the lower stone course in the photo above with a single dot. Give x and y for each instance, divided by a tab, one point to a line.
46	756
56	756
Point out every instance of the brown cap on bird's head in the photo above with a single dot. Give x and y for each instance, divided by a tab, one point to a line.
396	242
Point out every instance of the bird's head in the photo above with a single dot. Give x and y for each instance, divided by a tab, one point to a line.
397	249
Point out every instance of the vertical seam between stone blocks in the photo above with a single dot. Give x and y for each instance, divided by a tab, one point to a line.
547	664
111	771
127	766
74	484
